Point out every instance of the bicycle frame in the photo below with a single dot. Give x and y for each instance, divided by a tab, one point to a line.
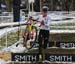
30	28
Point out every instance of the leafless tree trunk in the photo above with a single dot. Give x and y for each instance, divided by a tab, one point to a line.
52	5
72	5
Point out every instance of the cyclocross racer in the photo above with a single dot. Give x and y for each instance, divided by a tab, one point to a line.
44	19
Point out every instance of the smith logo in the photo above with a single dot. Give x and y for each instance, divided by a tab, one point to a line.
60	57
25	57
49	57
63	44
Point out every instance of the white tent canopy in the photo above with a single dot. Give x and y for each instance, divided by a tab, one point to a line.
31	1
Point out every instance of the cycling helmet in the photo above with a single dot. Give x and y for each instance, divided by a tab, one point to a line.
45	9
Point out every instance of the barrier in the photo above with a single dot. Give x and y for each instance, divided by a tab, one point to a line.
47	57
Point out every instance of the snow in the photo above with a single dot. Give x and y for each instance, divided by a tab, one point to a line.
15	49
62	31
9	30
6	30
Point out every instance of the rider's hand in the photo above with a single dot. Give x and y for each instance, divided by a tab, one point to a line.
42	23
30	17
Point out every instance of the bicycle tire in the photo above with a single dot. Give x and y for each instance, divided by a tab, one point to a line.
35	28
35	37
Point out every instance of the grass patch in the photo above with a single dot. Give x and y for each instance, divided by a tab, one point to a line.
11	38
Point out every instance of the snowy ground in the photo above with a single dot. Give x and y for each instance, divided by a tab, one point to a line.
7	30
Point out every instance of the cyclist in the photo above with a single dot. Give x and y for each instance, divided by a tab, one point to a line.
44	19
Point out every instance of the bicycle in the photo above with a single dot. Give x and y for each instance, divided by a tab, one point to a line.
30	34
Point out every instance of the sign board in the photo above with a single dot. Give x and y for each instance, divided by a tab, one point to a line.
60	57
49	57
63	44
66	44
25	57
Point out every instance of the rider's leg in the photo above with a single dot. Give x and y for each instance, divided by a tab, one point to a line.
40	46
40	41
46	38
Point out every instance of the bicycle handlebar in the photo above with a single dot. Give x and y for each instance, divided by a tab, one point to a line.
30	20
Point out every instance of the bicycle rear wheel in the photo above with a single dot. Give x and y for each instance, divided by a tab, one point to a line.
30	42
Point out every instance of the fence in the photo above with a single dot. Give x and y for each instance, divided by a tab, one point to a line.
8	17
9	35
4	33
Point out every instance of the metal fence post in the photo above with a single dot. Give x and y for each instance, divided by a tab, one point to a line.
6	39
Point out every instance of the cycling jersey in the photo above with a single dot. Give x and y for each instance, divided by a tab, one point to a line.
46	20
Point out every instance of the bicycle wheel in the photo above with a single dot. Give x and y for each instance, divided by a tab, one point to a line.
30	42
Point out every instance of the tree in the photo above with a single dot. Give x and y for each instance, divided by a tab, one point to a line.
9	5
